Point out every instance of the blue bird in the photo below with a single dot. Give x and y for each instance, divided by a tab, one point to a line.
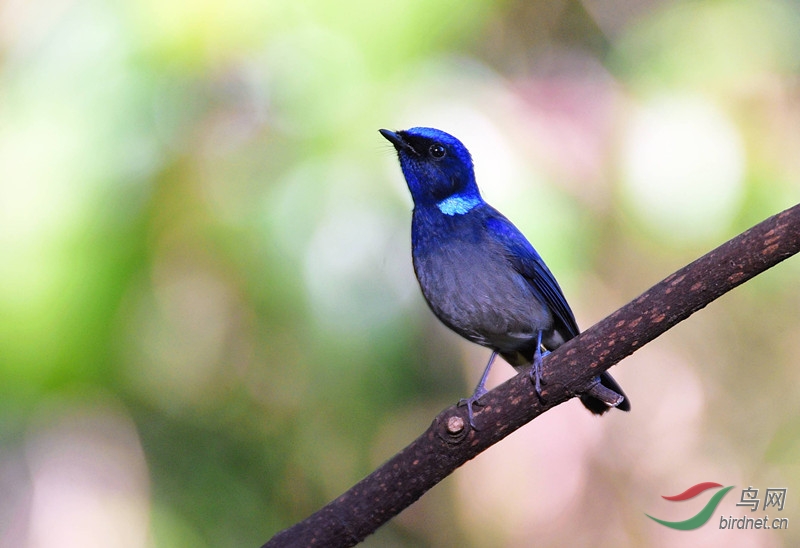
479	274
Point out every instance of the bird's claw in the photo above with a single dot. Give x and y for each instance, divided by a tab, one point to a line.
469	402
536	371
536	378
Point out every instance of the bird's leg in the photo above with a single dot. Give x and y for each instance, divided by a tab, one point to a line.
536	369
480	390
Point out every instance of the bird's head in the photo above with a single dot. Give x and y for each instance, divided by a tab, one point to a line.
437	168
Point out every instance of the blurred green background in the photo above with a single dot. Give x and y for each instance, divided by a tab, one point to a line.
209	324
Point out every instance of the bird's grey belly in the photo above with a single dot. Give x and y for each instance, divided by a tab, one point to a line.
481	298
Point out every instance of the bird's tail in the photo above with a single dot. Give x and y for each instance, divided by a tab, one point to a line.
598	407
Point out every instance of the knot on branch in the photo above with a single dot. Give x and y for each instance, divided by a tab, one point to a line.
451	427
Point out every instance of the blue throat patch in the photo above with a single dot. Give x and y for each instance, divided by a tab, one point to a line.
458	204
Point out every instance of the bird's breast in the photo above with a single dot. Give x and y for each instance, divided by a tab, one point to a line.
471	286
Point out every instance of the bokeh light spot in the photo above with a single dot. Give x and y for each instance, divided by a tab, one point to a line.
683	166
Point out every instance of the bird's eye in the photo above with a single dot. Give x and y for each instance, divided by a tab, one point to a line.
437	151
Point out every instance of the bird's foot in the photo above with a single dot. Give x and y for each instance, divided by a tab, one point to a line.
479	391
536	371
536	377
470	401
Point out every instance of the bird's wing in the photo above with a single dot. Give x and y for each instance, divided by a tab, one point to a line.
530	265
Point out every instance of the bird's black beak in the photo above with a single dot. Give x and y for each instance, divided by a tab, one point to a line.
397	140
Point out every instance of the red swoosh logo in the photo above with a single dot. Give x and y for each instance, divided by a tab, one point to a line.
693	491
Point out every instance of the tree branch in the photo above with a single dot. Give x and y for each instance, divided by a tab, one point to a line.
449	442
